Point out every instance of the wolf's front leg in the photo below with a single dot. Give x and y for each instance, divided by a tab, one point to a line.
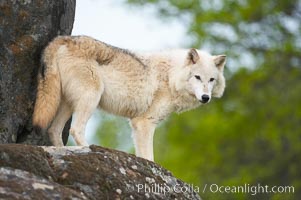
143	133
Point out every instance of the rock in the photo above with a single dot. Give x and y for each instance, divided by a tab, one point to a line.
19	184
25	29
84	173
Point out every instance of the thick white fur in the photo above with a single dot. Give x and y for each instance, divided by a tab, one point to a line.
145	89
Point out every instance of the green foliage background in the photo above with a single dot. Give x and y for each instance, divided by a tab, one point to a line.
253	133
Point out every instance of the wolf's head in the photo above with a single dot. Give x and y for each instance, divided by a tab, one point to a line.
202	75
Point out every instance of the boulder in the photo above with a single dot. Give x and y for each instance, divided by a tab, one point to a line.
33	172
26	27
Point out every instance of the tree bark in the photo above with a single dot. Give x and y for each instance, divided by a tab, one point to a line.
26	27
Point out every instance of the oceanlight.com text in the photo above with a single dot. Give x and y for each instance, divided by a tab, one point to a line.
247	188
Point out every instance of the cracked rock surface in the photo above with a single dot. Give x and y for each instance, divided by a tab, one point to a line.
33	172
26	27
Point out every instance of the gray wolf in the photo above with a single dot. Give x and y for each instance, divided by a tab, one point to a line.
81	74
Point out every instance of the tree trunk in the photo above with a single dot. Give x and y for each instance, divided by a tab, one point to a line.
26	27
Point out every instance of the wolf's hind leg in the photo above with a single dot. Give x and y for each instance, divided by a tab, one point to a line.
57	126
78	125
82	112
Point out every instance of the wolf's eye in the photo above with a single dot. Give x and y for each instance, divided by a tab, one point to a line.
197	77
212	79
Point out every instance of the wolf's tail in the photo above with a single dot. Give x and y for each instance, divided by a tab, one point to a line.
48	92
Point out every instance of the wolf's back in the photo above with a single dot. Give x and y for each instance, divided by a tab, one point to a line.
49	88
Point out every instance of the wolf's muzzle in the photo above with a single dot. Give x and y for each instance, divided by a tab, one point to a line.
205	98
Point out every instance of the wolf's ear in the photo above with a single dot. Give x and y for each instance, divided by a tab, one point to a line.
220	61
192	57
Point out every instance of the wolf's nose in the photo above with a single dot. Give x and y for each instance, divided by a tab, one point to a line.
205	98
